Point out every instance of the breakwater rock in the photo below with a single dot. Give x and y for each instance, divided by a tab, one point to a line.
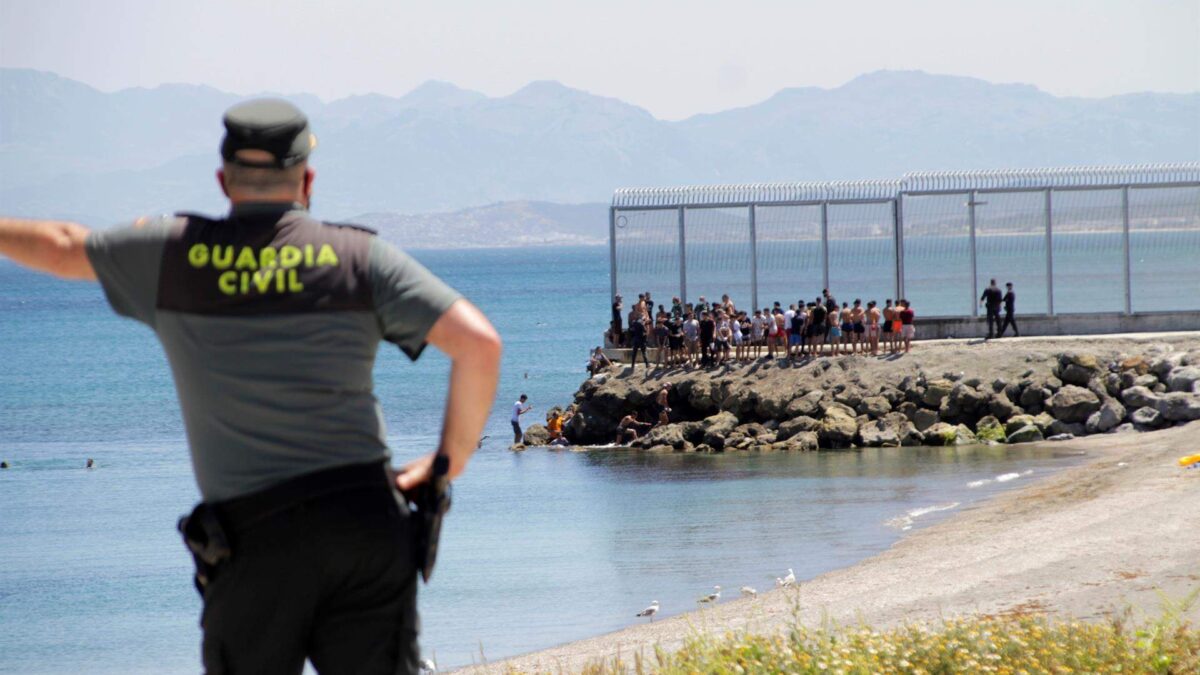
945	394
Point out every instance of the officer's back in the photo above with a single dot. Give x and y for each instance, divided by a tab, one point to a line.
271	321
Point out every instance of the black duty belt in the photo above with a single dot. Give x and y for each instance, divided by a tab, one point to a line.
243	512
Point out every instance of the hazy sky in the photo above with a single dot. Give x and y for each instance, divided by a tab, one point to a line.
673	58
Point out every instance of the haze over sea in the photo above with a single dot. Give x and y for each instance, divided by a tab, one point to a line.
540	548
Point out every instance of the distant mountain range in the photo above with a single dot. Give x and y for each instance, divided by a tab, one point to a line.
495	225
68	150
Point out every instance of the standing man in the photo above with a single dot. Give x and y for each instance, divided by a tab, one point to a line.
271	320
517	411
617	335
1010	302
991	298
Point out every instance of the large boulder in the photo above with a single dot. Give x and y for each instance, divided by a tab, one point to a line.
874	407
808	405
1077	369
772	405
1145	419
990	429
1018	421
850	396
739	400
1110	414
701	396
1139	397
839	428
1025	434
940	434
1163	365
1183	378
1137	364
1179	407
717	427
935	392
667	434
795	426
923	419
964	404
905	431
1074	404
536	434
878	433
803	441
1059	428
1000	407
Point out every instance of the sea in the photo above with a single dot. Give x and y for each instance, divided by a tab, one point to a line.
541	547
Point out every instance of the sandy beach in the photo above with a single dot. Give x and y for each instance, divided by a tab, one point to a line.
1116	533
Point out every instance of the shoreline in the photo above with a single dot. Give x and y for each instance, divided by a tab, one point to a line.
1089	541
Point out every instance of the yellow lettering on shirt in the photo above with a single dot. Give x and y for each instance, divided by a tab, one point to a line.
246	259
289	256
219	261
326	257
262	280
261	271
198	255
227	282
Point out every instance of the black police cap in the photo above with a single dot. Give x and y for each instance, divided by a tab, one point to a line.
269	124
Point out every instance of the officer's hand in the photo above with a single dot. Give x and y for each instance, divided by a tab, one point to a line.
415	472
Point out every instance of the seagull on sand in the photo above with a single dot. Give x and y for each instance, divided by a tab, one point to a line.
749	592
428	666
786	581
649	611
712	597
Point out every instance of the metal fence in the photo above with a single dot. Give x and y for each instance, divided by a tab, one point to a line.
1078	240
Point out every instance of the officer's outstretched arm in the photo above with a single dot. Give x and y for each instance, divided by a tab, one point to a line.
465	335
50	246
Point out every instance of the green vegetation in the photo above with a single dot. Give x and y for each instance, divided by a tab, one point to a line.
994	432
989	644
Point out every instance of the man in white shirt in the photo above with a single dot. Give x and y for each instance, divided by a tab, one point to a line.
516	417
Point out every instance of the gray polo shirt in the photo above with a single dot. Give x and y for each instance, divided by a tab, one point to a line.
270	321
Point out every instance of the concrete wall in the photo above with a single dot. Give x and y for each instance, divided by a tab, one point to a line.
1032	325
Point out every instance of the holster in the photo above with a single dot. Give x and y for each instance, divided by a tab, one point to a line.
430	501
206	539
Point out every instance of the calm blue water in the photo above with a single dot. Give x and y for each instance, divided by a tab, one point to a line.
541	547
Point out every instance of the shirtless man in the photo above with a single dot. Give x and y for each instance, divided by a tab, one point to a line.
858	328
628	428
889	315
873	315
661	399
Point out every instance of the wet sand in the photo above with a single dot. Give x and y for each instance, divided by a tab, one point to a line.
1116	533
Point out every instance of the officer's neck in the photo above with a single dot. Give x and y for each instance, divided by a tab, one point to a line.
247	207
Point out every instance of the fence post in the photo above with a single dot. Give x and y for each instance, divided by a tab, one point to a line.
1049	256
974	269
898	234
1125	222
612	253
825	244
753	260
682	259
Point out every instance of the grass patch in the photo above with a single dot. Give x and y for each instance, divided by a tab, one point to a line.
1019	643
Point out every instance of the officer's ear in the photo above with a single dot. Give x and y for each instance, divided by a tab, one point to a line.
221	181
309	175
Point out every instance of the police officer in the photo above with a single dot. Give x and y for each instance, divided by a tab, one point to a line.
271	320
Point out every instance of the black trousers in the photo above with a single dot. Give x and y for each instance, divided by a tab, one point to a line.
1009	321
517	436
639	346
993	319
332	579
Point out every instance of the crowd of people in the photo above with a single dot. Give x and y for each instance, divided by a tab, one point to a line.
704	333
